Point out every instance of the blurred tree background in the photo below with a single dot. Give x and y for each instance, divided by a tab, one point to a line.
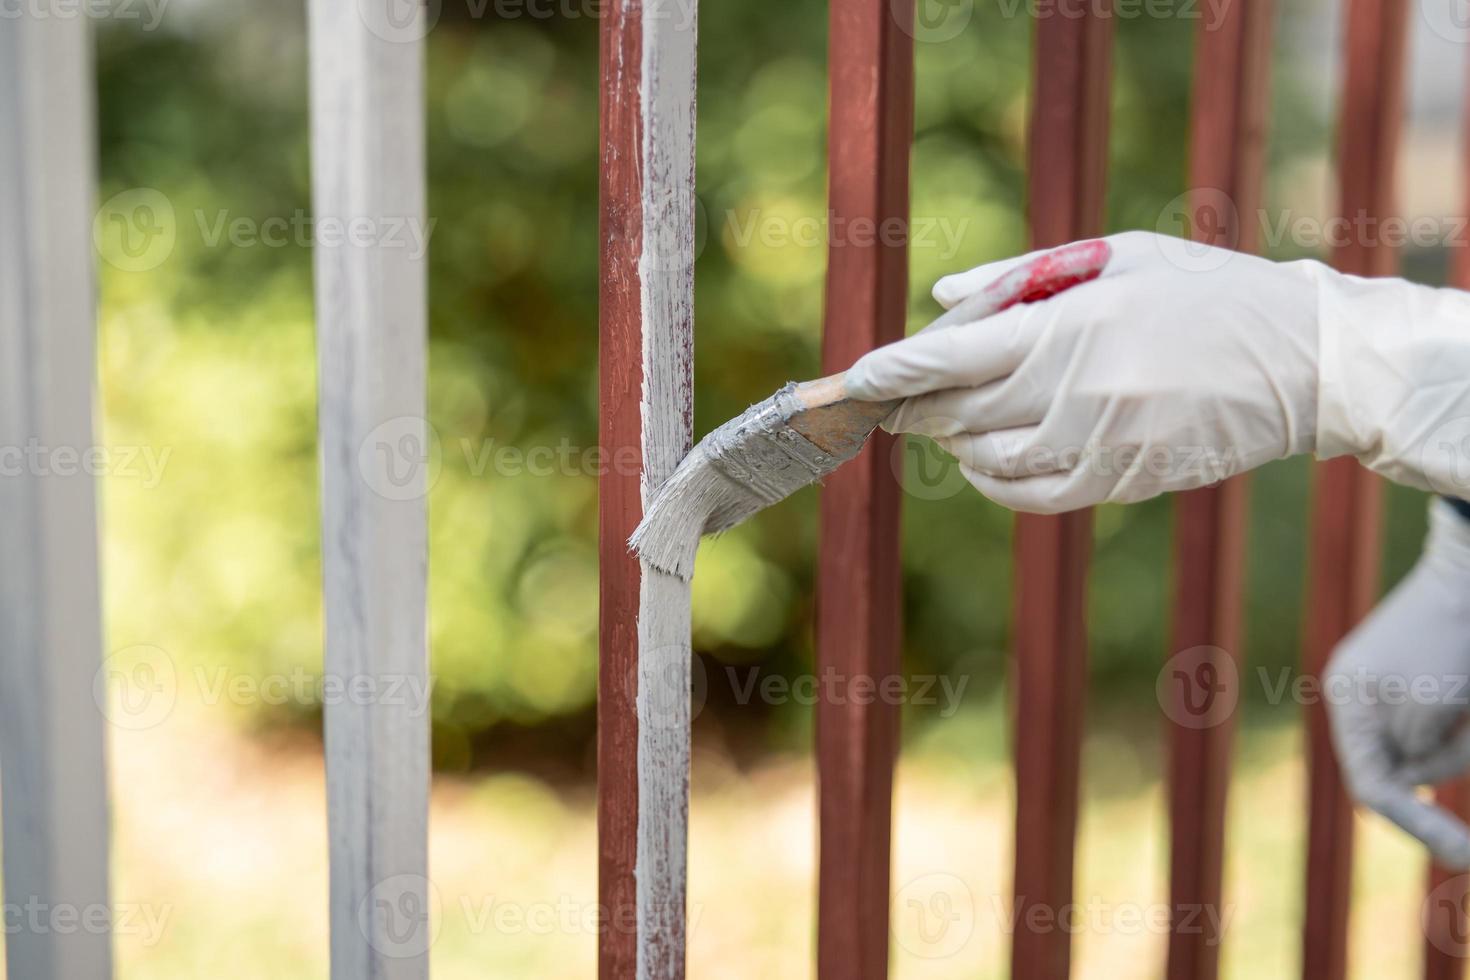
210	356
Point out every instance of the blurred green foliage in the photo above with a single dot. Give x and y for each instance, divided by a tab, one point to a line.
211	356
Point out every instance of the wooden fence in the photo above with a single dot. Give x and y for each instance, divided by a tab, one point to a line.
857	619
371	308
367	146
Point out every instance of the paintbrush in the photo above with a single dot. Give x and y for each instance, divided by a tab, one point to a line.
805	431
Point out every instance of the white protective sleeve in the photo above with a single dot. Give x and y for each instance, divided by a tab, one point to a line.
1394	380
1183	365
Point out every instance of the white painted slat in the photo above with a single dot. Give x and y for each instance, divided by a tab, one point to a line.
666	274
367	144
52	758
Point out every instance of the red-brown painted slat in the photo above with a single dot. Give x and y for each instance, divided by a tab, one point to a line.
871	52
1345	536
1226	165
1068	164
620	366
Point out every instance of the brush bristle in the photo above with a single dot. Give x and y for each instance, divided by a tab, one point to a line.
697	500
744	466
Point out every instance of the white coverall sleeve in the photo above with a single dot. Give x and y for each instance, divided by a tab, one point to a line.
1180	366
1394	380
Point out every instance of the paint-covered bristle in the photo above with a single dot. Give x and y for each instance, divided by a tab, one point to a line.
696	500
744	466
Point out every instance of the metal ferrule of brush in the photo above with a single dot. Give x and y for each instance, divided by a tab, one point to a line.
762	453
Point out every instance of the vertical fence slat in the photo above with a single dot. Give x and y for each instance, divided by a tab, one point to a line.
1226	168
619	495
1345	535
367	146
1068	159
52	755
646	356
871	59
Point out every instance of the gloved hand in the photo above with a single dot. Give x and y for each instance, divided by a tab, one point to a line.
1398	692
1180	366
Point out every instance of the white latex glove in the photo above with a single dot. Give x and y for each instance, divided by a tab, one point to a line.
1180	366
1398	692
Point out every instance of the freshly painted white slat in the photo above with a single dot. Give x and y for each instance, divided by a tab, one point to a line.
367	144
52	759
666	273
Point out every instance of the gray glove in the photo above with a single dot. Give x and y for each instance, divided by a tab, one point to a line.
1398	692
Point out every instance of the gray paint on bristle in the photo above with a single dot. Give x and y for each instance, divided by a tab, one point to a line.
742	467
